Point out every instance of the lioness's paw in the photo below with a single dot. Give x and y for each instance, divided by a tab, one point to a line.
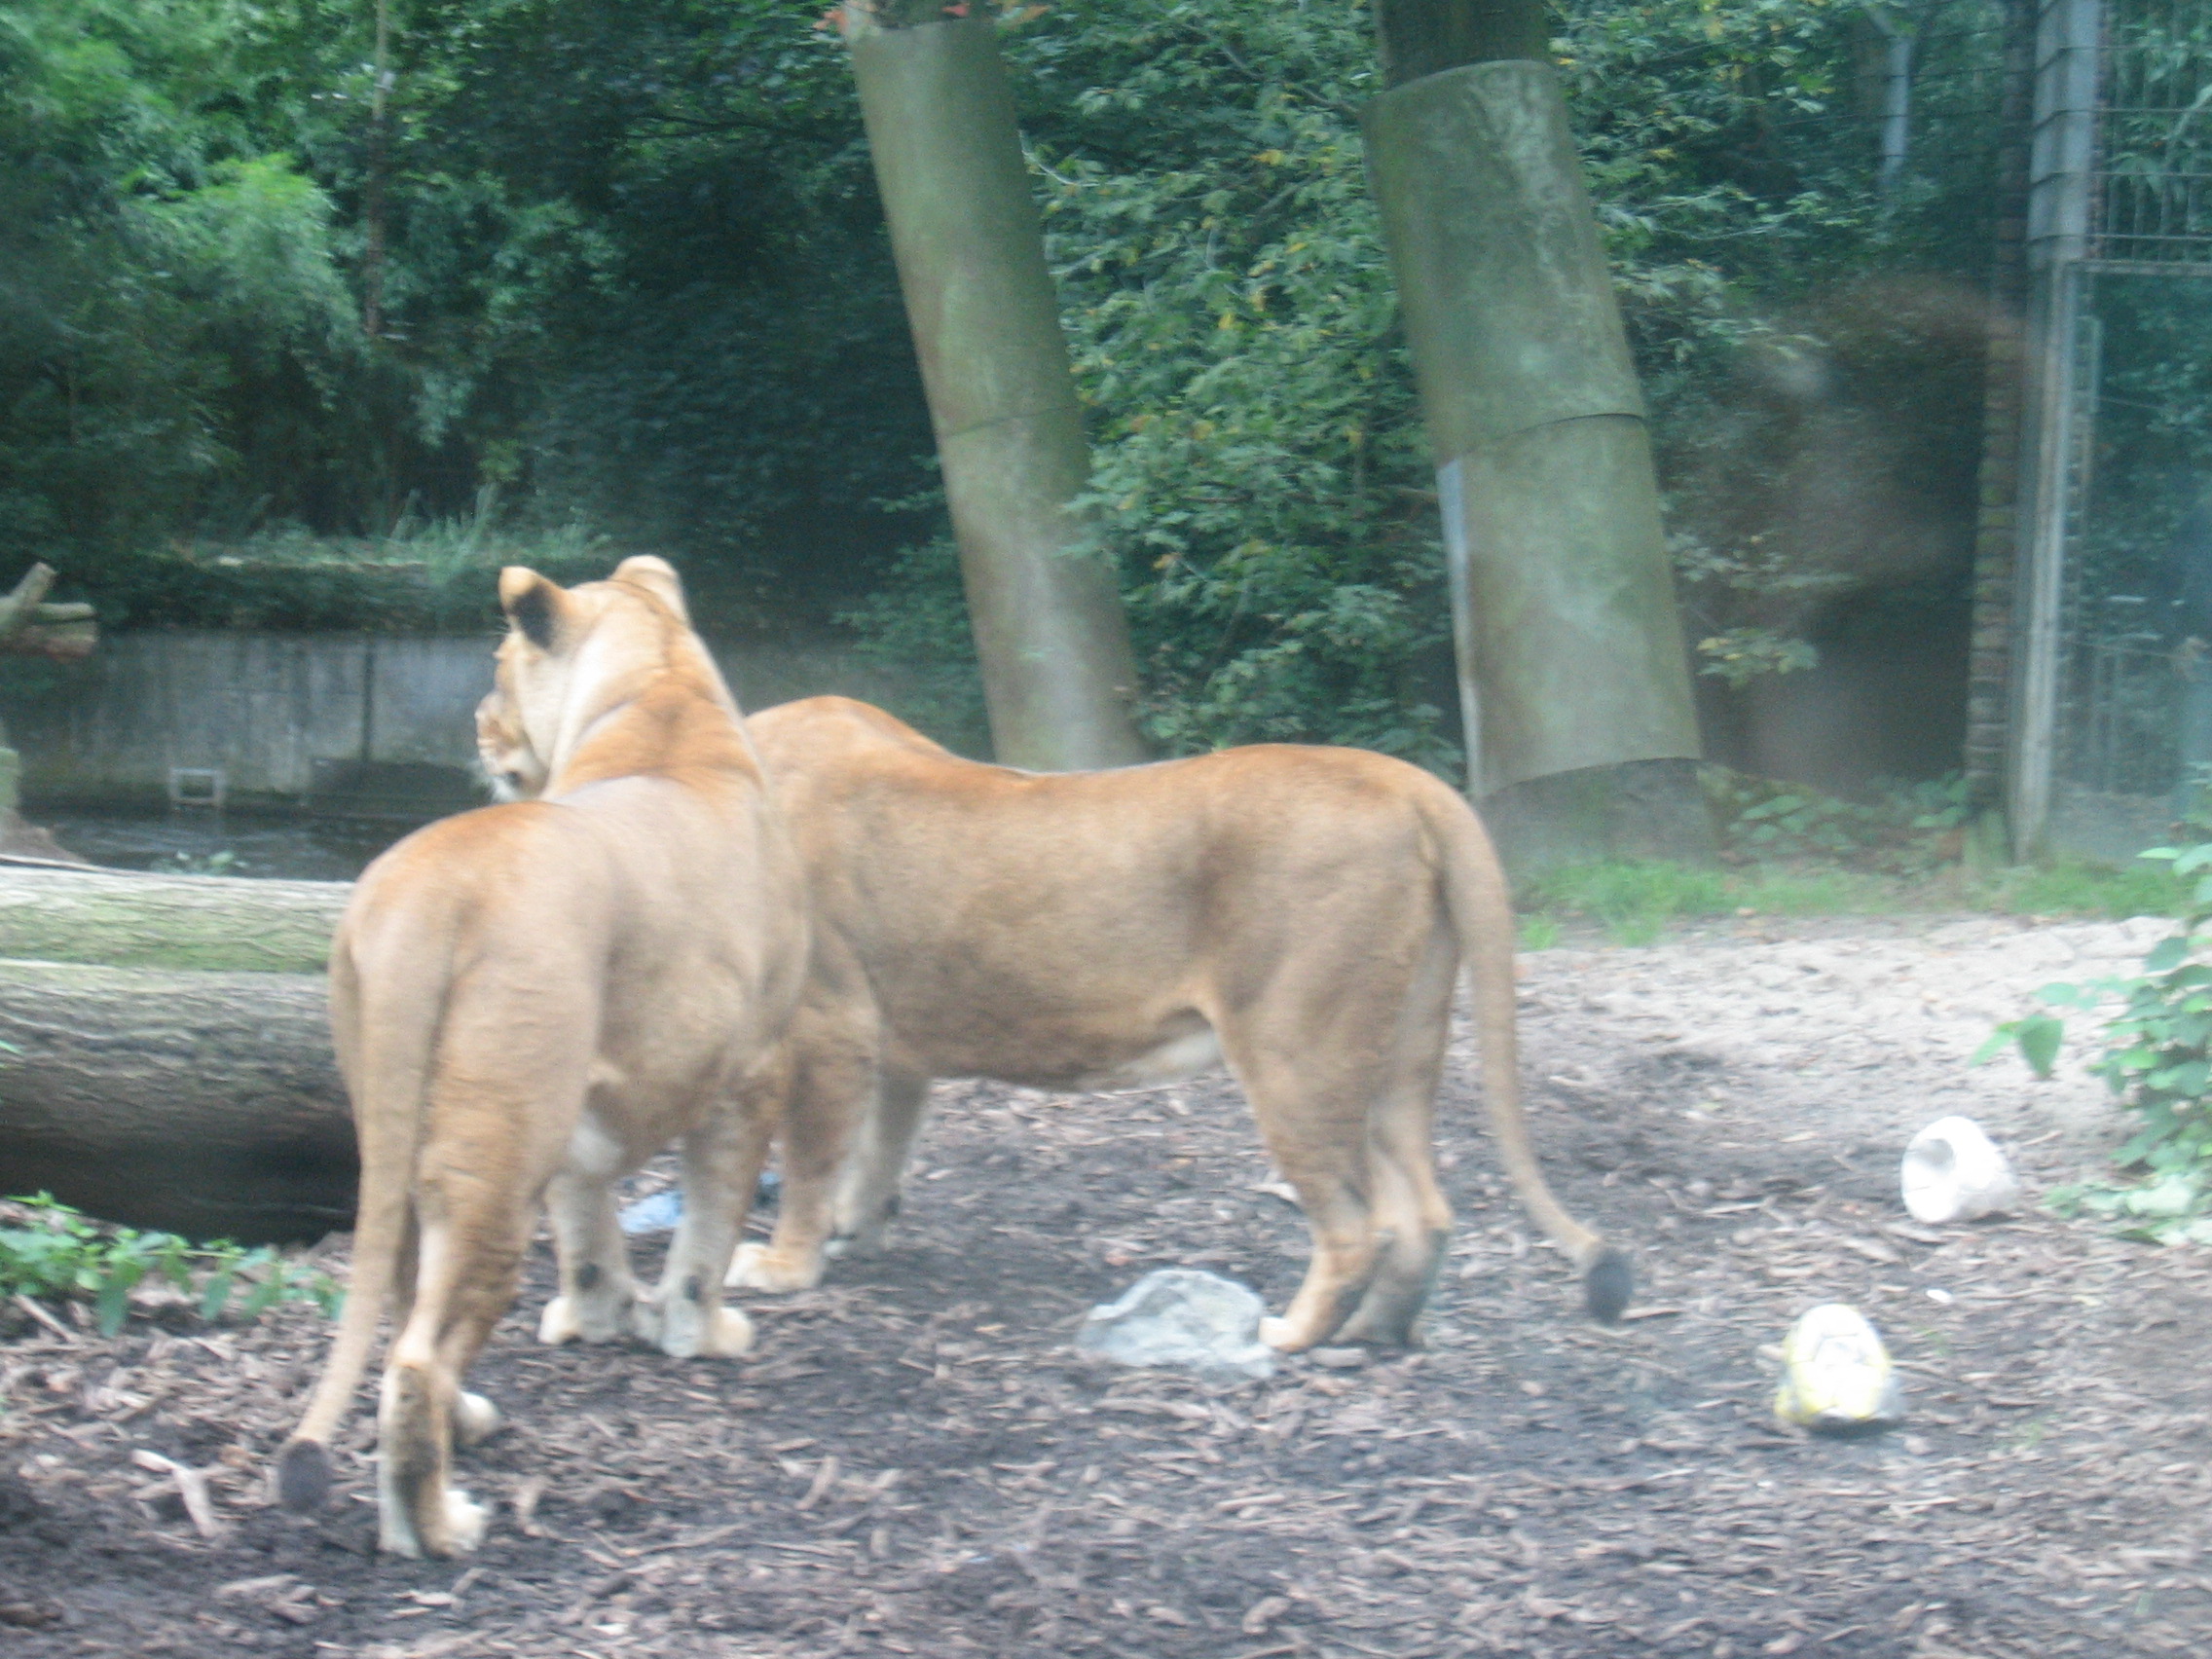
1277	1334
475	1420
757	1267
558	1323
394	1537
714	1332
595	1319
465	1523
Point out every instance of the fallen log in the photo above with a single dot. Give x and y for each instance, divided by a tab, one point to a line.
167	1060
201	1103
125	919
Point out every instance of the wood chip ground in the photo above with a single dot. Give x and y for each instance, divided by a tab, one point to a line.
914	1462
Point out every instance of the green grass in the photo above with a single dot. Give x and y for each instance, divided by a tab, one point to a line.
2082	889
1634	901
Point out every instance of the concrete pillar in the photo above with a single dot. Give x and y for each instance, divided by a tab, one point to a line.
1059	678
1582	736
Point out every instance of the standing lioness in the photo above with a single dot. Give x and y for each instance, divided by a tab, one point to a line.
533	999
1299	912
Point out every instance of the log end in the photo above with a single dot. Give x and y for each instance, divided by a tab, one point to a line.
303	1476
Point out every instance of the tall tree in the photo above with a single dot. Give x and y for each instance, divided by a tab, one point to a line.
1059	678
1582	739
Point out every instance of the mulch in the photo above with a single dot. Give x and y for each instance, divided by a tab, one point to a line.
914	1461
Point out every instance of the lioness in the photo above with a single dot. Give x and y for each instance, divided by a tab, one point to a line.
531	999
1299	912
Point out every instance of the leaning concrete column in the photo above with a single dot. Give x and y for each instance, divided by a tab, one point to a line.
1059	674
1581	735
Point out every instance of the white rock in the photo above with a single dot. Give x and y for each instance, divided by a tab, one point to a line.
1954	1172
1185	1318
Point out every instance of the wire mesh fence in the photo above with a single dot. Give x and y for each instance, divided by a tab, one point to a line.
2136	703
2152	180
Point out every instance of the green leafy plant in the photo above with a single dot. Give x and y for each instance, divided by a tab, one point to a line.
2155	1054
1907	828
52	1250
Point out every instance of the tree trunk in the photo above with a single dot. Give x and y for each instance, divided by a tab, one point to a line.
201	1103
120	919
1059	678
1574	686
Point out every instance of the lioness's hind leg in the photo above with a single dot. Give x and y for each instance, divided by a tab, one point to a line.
475	1254
1410	1208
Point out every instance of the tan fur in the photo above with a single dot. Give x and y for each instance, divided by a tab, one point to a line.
1299	912
531	999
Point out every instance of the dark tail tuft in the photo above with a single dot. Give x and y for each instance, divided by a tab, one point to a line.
1608	1285
303	1476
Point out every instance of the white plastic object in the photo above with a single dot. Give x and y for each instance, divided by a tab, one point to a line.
1954	1172
1836	1376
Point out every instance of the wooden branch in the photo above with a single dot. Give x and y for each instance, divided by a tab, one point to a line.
29	626
29	593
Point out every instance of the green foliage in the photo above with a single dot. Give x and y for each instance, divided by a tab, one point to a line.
1905	829
172	276
1257	462
917	625
2038	1036
2156	1055
51	1250
634	278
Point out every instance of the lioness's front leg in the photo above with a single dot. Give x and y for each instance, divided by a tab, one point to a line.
722	1165
867	1195
597	1295
833	1079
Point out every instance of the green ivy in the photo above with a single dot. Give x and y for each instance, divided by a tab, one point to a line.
54	1251
2156	1055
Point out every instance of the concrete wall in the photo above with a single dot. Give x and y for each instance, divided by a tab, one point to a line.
265	708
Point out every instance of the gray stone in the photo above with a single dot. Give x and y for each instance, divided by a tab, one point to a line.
1184	1318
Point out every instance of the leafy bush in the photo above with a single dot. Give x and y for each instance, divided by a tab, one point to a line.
52	1250
1905	829
2156	1055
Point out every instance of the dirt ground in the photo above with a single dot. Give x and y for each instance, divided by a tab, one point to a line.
913	1461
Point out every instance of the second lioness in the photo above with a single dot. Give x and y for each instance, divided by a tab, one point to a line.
1299	912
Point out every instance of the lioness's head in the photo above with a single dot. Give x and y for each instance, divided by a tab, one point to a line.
511	768
567	653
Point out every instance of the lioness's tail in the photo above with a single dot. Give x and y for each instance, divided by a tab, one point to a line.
1482	915
384	1050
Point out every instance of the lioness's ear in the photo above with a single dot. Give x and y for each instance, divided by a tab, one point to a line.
660	577
533	604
